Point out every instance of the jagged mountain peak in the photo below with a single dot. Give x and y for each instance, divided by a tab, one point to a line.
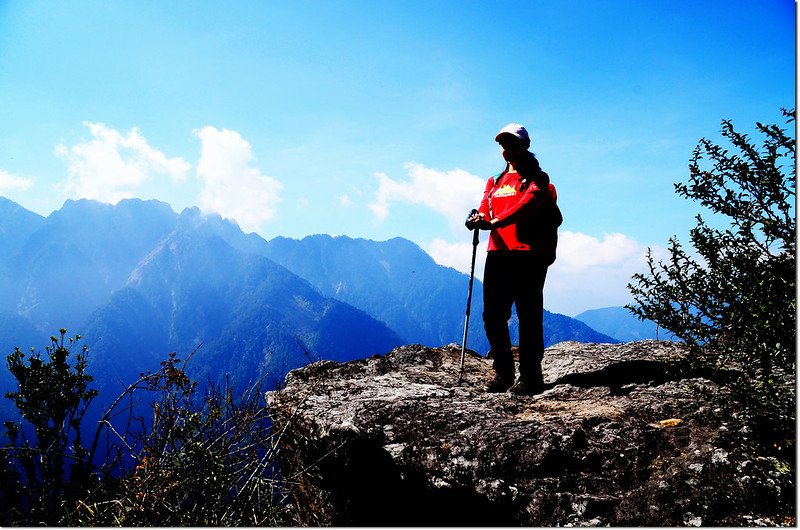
203	252
193	217
144	206
90	221
16	225
9	207
82	212
82	205
248	311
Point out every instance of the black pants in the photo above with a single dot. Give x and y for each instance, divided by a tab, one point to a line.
514	278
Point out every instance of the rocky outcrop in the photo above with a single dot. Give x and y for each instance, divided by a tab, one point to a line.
625	435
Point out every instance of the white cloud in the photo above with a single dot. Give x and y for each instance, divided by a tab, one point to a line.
591	273
232	187
346	201
112	166
579	252
11	183
449	193
458	255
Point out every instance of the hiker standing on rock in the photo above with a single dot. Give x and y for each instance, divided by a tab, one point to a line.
519	207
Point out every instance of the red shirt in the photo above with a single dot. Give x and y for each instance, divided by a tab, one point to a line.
510	199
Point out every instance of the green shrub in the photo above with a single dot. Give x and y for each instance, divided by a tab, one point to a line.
198	460
43	467
733	298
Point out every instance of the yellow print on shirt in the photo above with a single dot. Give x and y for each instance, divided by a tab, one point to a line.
505	191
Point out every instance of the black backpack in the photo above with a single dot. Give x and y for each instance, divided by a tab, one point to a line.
540	229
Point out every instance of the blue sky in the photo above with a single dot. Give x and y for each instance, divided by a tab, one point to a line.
376	119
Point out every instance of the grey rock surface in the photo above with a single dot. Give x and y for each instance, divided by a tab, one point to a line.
625	435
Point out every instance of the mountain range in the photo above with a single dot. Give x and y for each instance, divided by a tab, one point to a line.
139	281
620	323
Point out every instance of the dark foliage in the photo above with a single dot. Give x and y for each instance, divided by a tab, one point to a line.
43	463
733	297
199	460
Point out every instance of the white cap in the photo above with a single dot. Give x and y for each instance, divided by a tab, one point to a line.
514	129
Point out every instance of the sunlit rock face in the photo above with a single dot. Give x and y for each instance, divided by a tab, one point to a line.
625	435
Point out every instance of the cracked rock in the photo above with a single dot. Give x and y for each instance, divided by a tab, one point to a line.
619	438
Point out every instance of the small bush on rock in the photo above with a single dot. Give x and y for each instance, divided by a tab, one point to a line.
732	298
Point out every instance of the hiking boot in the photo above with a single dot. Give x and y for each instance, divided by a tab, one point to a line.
524	388
499	384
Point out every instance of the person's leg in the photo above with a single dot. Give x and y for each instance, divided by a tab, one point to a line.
529	303
497	302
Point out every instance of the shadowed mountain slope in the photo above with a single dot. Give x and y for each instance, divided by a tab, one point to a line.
253	317
398	283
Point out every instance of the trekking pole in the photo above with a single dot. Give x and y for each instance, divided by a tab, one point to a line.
475	234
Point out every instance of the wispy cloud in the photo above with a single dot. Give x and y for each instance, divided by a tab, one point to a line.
458	255
579	252
590	272
232	186
593	272
112	166
451	194
11	183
